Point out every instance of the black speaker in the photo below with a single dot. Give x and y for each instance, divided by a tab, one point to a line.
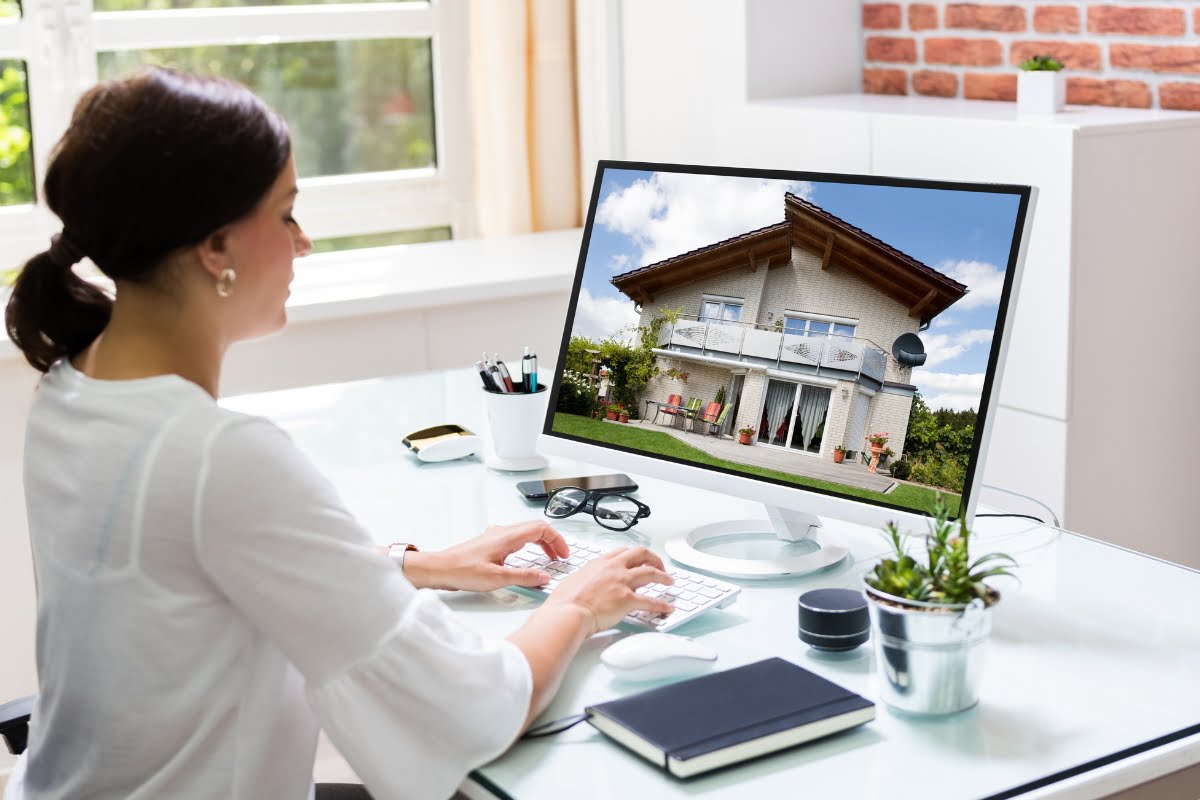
834	619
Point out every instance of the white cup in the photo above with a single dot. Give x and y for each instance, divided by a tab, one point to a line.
514	421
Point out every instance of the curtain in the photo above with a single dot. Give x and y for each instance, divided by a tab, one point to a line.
814	403
777	408
524	115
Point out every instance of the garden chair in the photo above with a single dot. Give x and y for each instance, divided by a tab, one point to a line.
674	401
715	426
688	413
709	417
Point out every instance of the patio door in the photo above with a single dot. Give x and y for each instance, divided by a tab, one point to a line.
794	415
735	392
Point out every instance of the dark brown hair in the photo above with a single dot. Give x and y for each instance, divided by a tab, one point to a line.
151	163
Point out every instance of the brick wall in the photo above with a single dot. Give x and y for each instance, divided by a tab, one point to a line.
1142	54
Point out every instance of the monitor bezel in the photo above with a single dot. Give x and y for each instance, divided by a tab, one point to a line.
768	490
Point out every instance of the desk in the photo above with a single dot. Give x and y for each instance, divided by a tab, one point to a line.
1091	682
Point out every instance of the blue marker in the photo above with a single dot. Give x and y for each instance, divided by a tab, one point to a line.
529	371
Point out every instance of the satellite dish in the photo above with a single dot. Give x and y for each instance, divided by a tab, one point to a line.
909	350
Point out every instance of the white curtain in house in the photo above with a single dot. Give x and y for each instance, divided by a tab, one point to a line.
524	115
814	402
777	406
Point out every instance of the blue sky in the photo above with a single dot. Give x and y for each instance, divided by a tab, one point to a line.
645	217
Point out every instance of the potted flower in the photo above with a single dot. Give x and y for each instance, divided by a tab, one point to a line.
745	434
610	409
1040	86
931	618
839	454
622	413
885	455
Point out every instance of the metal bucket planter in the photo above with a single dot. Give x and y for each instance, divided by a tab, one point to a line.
929	656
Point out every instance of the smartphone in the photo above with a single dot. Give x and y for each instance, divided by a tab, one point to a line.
540	490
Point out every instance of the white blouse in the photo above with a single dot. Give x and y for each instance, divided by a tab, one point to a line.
206	603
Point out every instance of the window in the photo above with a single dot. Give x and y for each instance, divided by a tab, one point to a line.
375	94
817	326
721	310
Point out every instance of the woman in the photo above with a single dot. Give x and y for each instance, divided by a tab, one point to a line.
206	602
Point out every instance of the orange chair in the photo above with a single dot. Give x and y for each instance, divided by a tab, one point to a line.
673	400
709	417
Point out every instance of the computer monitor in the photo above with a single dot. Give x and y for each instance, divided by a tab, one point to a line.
830	345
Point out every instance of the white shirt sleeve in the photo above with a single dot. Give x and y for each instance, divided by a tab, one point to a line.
412	697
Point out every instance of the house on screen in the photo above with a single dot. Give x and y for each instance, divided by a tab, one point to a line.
797	321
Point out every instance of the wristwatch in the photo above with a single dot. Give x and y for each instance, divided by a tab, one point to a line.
397	550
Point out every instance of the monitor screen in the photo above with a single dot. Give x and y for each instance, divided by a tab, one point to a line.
837	334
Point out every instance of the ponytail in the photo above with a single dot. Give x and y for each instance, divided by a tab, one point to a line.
53	313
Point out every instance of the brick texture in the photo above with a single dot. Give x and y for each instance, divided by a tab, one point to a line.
1073	55
924	17
881	16
1056	19
1094	91
982	17
891	48
1136	20
969	52
935	83
1159	59
1179	96
989	86
885	81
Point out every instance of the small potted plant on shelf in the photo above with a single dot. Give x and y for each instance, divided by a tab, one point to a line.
931	617
622	413
745	435
1040	86
839	454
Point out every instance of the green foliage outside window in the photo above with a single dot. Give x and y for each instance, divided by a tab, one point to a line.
381	239
16	160
938	444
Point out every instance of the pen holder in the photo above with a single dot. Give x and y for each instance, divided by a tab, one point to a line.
514	422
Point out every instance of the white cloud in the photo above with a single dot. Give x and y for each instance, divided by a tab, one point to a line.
620	262
943	347
603	317
944	321
671	213
950	390
984	280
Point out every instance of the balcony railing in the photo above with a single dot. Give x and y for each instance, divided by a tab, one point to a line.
759	344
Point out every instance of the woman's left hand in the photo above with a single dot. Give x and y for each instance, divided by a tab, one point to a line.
478	564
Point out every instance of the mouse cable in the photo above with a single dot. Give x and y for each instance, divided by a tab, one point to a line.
554	726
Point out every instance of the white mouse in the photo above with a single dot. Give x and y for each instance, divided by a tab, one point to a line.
649	656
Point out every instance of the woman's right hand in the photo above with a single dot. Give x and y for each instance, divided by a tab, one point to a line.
606	587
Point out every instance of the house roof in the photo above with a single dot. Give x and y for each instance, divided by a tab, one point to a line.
925	291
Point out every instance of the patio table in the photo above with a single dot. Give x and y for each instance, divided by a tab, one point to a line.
660	406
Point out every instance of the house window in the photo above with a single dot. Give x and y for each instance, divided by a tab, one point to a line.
375	94
721	310
818	326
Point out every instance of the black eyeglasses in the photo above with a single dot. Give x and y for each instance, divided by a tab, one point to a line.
614	511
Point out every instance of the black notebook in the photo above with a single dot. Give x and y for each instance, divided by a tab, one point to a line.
725	717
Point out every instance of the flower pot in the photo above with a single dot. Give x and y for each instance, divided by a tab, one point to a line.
1040	92
623	418
839	456
876	448
929	656
744	438
610	414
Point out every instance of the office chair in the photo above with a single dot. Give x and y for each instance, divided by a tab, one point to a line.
14	723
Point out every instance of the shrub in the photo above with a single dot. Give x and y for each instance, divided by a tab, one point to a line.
577	395
901	470
947	473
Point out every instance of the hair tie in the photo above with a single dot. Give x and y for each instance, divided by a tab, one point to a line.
63	251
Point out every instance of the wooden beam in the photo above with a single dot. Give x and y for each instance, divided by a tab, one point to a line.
922	304
828	253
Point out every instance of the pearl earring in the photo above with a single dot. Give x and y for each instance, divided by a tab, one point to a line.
225	282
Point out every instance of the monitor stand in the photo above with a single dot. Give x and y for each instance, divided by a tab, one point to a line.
785	524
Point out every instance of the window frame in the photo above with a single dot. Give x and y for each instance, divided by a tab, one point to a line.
722	303
58	41
824	318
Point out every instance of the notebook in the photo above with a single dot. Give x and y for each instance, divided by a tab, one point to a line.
725	717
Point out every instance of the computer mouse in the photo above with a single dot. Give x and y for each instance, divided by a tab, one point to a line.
649	656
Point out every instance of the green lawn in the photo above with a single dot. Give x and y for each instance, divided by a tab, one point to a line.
636	438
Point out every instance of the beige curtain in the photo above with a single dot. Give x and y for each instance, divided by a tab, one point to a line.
524	115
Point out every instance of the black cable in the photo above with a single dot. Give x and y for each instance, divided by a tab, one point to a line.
554	726
1022	516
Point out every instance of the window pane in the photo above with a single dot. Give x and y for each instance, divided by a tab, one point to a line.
711	311
163	5
843	330
731	313
817	328
357	106
16	159
794	326
381	239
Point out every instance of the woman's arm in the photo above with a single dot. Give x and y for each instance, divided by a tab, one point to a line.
478	564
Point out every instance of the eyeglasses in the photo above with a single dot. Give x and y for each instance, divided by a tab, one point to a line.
614	511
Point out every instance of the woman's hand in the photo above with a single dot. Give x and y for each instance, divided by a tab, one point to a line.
478	564
606	587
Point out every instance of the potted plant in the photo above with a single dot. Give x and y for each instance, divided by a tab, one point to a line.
931	618
839	454
622	413
1040	86
745	435
885	455
610	409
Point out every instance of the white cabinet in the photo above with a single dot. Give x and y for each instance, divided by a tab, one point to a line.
1093	406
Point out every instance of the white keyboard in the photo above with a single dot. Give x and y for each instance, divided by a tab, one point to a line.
691	594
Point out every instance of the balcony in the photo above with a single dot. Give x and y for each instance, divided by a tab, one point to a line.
760	346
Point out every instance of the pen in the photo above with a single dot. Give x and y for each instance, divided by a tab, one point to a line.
494	374
485	377
508	384
529	371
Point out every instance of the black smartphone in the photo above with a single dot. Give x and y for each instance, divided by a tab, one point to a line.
540	490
